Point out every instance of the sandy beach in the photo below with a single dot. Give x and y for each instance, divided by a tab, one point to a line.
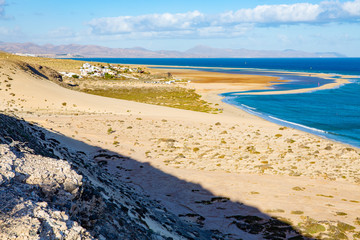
223	82
244	165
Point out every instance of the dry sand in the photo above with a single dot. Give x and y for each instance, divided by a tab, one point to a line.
224	82
263	168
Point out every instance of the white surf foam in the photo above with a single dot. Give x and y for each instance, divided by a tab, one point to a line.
297	124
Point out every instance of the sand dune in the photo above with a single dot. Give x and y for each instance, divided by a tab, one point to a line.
283	172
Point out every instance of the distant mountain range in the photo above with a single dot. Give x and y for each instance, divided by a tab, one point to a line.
76	50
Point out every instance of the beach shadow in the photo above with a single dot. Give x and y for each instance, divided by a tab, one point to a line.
120	195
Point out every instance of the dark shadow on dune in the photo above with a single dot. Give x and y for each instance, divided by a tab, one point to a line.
40	71
115	206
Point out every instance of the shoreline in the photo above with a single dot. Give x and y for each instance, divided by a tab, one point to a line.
337	83
213	94
240	78
263	169
281	122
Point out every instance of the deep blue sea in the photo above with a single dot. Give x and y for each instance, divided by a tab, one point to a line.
332	113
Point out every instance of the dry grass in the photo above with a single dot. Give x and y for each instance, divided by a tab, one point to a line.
176	97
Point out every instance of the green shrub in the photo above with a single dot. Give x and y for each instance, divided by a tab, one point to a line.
108	76
110	130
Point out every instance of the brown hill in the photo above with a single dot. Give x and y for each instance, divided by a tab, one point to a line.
76	50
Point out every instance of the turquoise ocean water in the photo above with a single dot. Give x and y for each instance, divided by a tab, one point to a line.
332	113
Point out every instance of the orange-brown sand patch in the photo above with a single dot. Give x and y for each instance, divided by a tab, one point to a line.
217	77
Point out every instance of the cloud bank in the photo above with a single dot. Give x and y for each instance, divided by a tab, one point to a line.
227	24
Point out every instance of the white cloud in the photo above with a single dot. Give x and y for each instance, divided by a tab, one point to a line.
300	12
230	24
151	22
353	8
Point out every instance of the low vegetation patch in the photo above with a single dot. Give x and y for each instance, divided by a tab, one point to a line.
297	212
311	227
177	97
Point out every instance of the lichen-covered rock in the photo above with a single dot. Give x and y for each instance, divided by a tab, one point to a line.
26	182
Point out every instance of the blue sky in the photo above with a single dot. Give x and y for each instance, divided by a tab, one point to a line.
309	25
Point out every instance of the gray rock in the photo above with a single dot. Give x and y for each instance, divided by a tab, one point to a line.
23	212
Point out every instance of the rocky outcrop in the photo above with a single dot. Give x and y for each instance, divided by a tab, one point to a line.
34	192
50	192
38	70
